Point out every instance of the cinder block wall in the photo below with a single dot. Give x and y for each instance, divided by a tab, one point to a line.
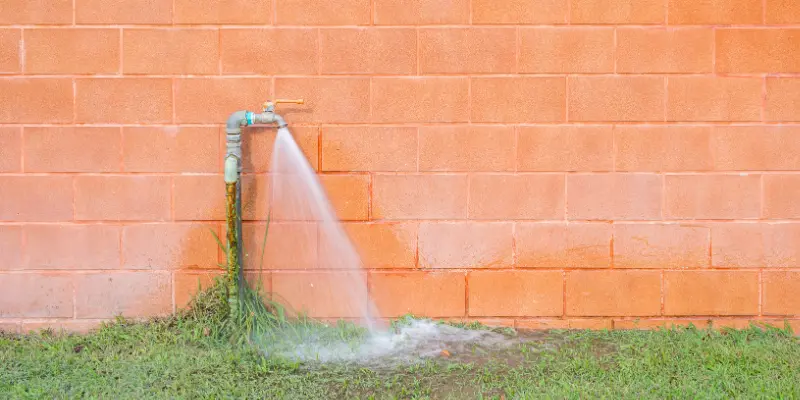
537	163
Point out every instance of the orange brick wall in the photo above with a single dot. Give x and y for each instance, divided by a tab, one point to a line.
537	163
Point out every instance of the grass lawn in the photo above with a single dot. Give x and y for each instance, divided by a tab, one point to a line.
181	358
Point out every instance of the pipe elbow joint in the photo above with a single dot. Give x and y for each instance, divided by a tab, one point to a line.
236	121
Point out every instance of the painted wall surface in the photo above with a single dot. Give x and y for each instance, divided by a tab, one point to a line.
537	163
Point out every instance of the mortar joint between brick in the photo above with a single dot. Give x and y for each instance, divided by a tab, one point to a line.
760	292
563	293
121	53
764	99
663	293
615	50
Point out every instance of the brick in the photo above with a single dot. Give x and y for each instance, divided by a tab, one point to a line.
519	11
257	198
10	247
466	148
715	12
39	295
781	195
682	50
710	293
625	98
322	294
613	293
782	11
187	284
10	327
780	245
518	99
432	294
269	51
199	197
68	149
699	98
738	245
541	324
783	95
149	12
10	45
661	246
780	293
755	245
419	196
539	196
566	50
654	324
545	325
467	50
223	12
349	195
368	51
71	246
515	293
421	12
493	322
385	245
171	149
123	100
259	144
663	148
325	99
129	294
260	281
289	245
617	12
36	198
591	323
80	326
72	51
756	148
132	197
712	196
559	245
757	50
614	197
212	100
734	323
24	12
36	100
10	149
170	246
465	245
312	12
369	149
565	148
170	51
439	99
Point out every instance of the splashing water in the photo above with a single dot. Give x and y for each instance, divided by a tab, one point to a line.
306	238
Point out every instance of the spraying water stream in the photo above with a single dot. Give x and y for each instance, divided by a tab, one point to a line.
298	199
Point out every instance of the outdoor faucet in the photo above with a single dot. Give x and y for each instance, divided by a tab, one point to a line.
233	187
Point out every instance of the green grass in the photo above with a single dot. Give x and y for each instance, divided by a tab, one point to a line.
198	354
181	358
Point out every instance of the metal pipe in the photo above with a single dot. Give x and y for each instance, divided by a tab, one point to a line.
233	191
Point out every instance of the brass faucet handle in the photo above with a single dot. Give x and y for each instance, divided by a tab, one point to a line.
290	101
269	106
